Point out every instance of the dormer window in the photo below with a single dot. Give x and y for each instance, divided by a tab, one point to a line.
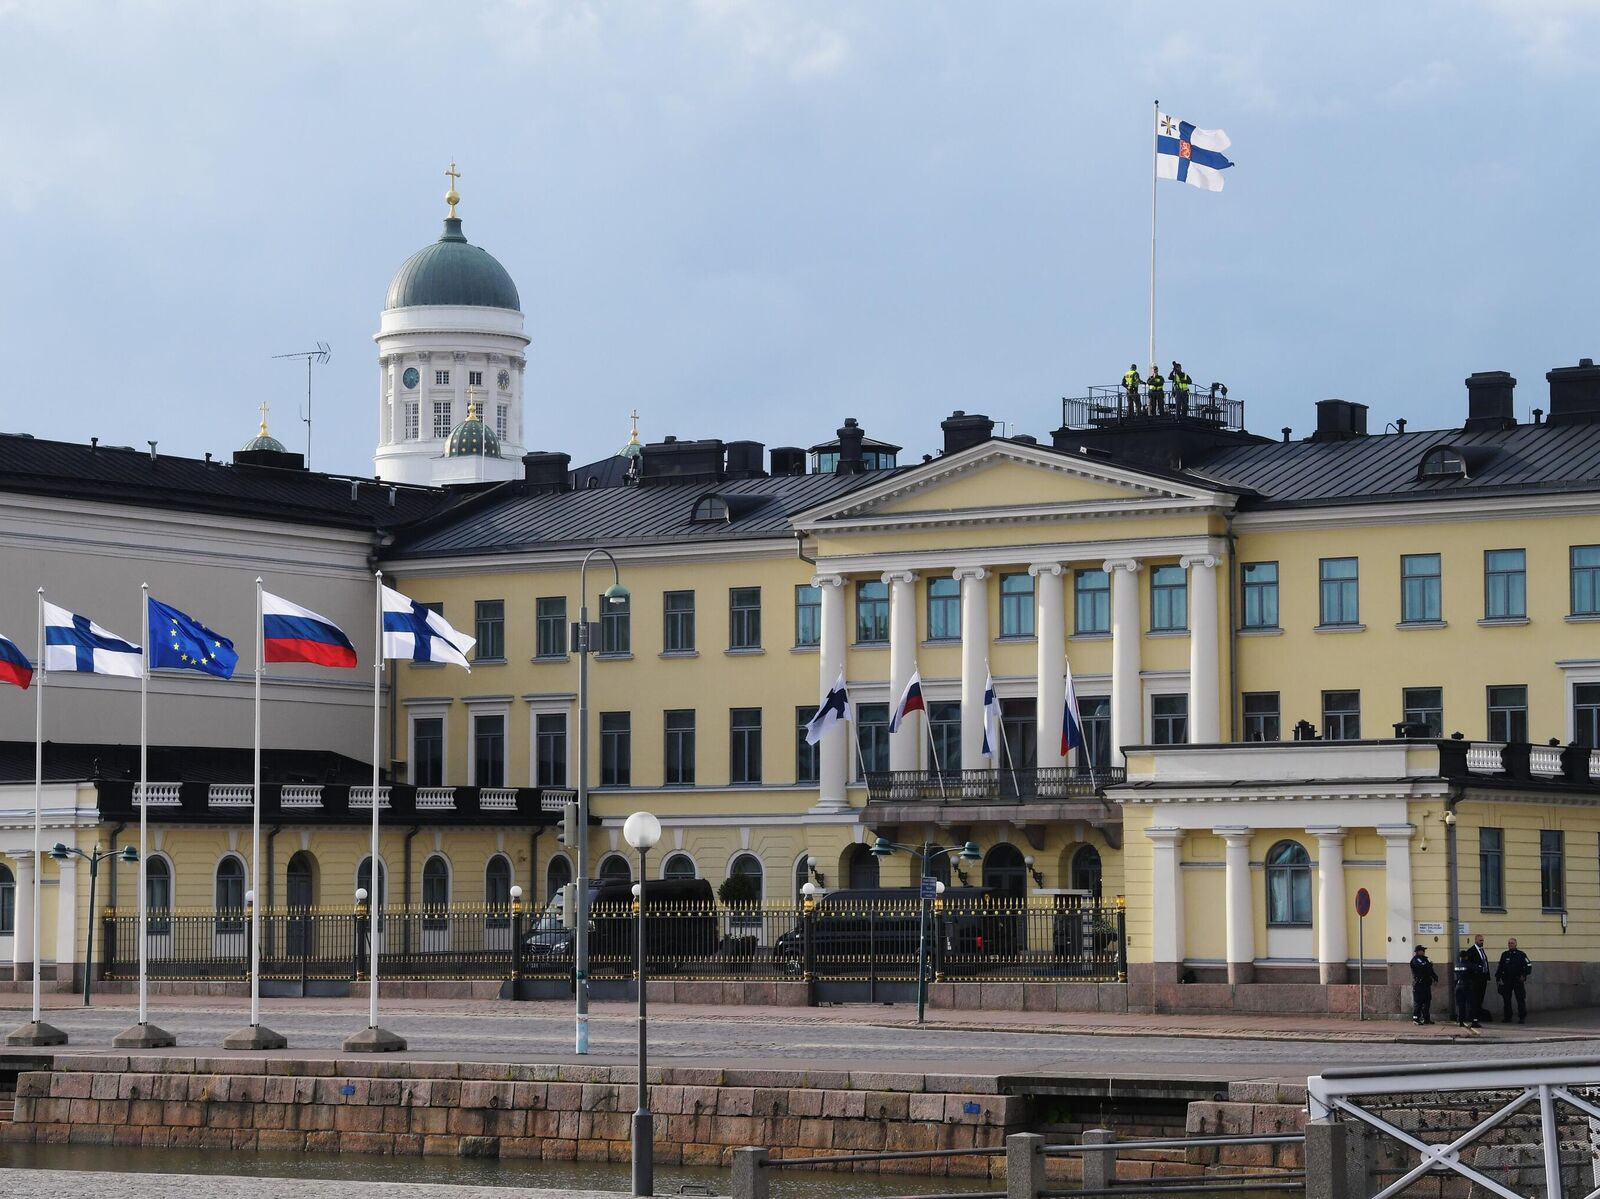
710	509
1442	462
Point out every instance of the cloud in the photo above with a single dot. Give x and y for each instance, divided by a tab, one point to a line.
1434	77
1558	37
768	35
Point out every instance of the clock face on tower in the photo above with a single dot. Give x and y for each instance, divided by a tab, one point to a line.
410	377
505	380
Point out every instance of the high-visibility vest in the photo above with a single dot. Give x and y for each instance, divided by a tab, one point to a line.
1156	382
1180	381
1130	378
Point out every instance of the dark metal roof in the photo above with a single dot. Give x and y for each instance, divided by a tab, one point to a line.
88	762
452	271
629	515
127	476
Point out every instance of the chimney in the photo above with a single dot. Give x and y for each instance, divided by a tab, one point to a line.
744	459
544	471
850	437
1490	402
1340	420
788	460
962	431
1575	394
671	460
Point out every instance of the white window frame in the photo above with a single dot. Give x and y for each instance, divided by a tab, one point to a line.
561	707
426	710
497	706
449	875
661	862
1153	688
1574	671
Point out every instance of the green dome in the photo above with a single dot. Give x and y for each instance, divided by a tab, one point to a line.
452	272
472	439
265	442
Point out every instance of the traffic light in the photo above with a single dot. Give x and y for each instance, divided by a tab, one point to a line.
568	832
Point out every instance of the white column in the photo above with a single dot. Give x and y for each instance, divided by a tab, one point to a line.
458	384
1166	902
67	941
1205	726
1239	904
905	745
1127	723
22	940
833	765
1399	915
1333	945
974	582
1050	626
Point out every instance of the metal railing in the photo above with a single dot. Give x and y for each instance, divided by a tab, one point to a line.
1110	406
1041	783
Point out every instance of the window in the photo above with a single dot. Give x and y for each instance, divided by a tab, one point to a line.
860	868
1262	720
616	629
157	884
502	422
427	751
441	418
550	749
1492	869
1086	871
490	618
1552	870
744	618
1016	605
1508	713
1341	715
744	745
1094	711
1288	885
1019	734
1505	585
1340	592
807	758
474	378
489	749
678	622
1169	599
1442	463
944	610
1586	714
1091	602
944	723
616	749
1419	588
364	881
1169	719
747	868
872	736
1425	706
557	875
550	624
435	883
1586	580
8	902
807	615
1260	582
230	895
872	611
680	748
711	509
615	869
497	882
412	416
441	378
679	865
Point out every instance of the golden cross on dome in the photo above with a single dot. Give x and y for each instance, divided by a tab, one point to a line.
452	197
633	437
263	427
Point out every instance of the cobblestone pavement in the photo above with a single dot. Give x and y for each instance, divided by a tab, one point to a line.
48	1184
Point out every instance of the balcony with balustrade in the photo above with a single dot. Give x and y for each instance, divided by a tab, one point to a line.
313	803
1031	795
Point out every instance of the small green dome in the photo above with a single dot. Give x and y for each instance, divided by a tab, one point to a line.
472	438
452	272
265	442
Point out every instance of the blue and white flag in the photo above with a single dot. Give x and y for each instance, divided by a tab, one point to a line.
411	630
76	643
991	718
834	709
1190	155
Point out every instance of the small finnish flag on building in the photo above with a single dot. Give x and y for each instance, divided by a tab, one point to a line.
413	631
1190	155
76	643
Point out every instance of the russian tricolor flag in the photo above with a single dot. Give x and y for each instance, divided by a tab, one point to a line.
910	701
291	633
14	666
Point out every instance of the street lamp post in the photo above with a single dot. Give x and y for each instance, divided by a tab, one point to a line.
969	852
642	831
128	854
582	637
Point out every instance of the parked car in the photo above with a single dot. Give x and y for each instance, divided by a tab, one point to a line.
685	927
884	924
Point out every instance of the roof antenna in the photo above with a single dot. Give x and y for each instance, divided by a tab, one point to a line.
320	354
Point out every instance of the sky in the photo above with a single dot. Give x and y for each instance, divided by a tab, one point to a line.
754	218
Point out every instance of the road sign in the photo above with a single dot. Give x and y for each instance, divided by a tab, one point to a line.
930	888
1363	902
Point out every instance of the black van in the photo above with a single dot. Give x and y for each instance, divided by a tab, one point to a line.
680	922
881	927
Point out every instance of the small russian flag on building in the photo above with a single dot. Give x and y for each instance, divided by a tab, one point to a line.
291	633
14	665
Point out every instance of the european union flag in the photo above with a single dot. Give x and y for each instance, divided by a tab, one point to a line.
181	642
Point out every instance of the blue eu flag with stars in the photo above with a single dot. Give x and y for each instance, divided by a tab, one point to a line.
181	642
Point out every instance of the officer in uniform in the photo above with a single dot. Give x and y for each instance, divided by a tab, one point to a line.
1423	976
1155	389
1130	386
1180	389
1511	975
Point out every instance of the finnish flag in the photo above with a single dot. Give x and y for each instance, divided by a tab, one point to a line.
76	643
413	631
1190	155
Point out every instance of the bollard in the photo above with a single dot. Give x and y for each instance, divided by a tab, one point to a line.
1024	1165
1328	1164
1100	1165
750	1177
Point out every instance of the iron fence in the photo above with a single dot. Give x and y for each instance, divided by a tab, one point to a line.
843	939
1105	406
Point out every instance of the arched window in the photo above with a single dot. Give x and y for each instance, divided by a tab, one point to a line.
497	882
861	868
679	865
364	881
1005	871
1086	871
802	876
710	509
8	902
157	883
1442	462
557	875
436	882
302	880
615	869
230	884
747	868
1288	884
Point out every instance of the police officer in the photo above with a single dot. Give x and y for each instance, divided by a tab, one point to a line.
1423	976
1511	975
1180	389
1155	389
1130	386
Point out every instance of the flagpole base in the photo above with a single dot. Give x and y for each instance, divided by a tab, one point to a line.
374	1040
254	1037
144	1036
37	1034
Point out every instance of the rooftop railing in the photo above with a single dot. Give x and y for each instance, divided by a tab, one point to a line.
1106	407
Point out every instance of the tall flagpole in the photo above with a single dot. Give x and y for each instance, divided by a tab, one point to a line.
144	805
1155	154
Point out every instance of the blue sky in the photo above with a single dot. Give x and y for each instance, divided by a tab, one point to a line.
751	220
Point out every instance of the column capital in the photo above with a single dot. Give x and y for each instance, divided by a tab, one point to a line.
385	359
899	576
424	355
1131	565
827	580
1046	568
1166	836
1205	561
1397	833
1234	834
459	355
969	572
1328	835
